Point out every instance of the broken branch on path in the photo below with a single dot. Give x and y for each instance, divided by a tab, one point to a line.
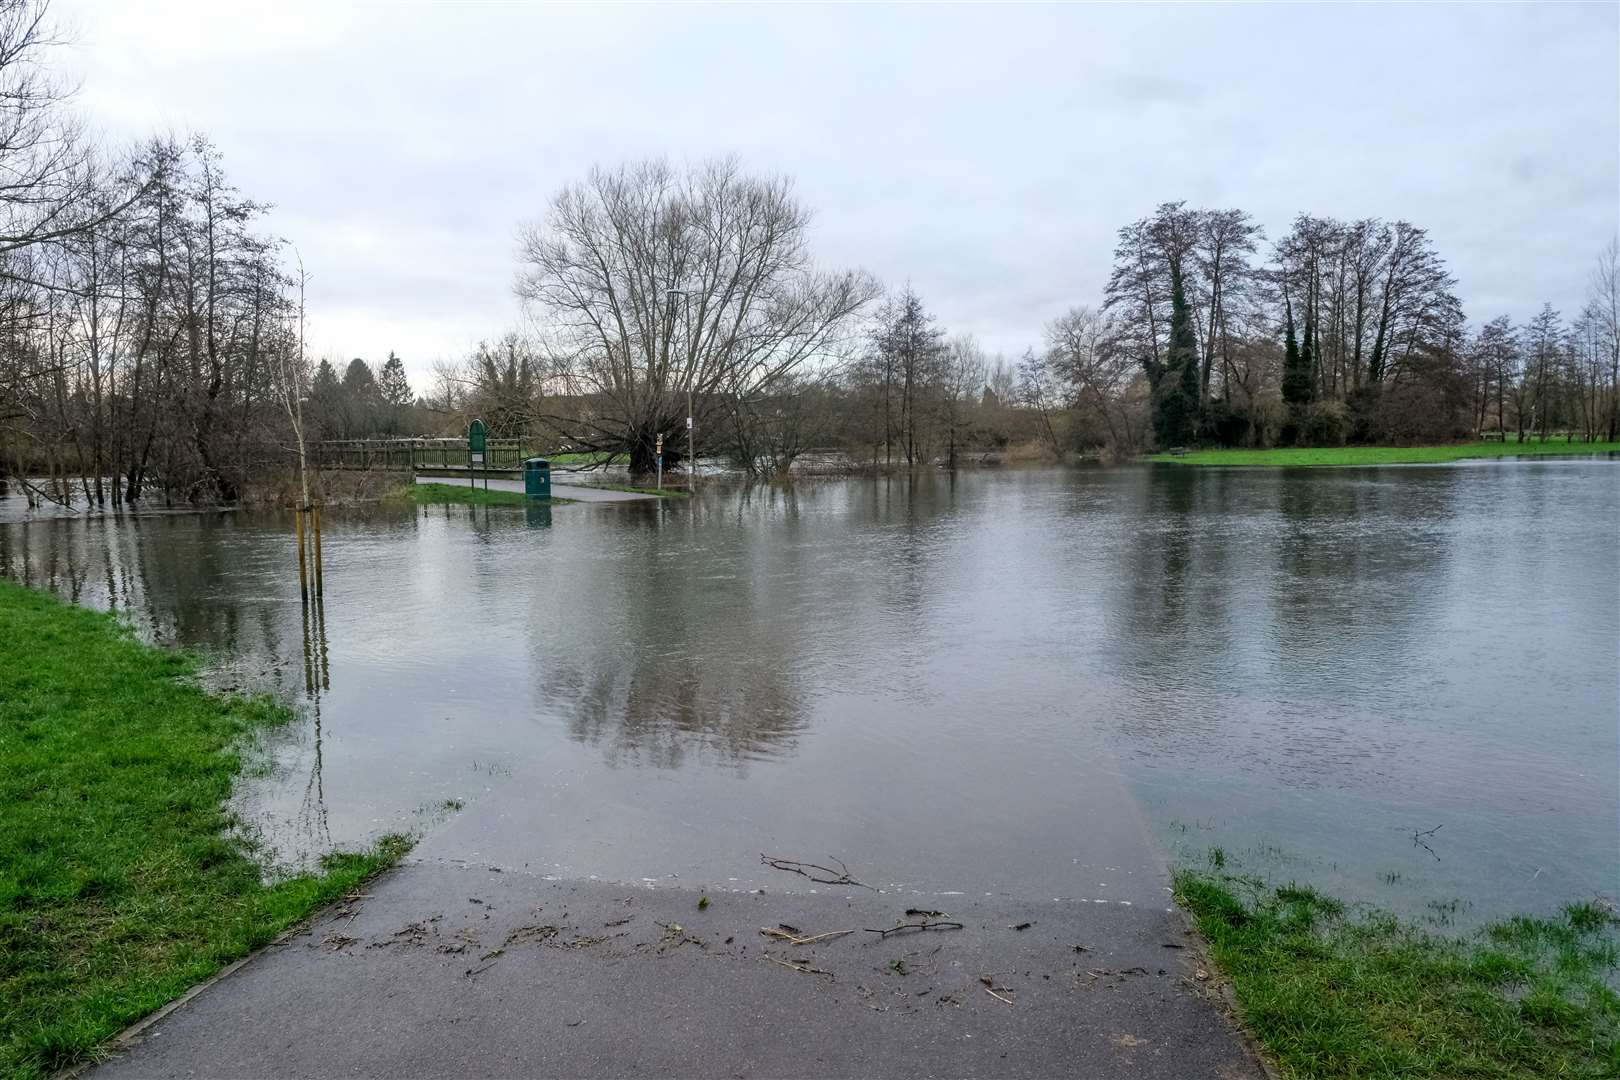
803	869
995	991
1420	839
943	925
795	939
805	969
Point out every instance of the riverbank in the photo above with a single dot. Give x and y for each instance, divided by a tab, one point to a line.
1311	456
1330	994
122	881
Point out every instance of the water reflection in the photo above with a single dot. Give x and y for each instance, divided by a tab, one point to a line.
1316	662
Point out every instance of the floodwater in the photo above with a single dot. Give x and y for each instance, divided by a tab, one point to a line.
1401	684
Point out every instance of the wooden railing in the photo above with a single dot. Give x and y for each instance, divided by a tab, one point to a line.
405	455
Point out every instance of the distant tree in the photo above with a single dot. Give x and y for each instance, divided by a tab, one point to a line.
910	349
505	377
1296	376
657	284
1496	354
1092	374
360	400
1041	389
358	379
961	388
1175	397
392	383
394	390
1603	308
1543	342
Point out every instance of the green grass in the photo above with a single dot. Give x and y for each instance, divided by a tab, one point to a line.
587	459
122	882
662	493
1331	994
1384	455
465	494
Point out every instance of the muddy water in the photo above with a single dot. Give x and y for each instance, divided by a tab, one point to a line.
989	685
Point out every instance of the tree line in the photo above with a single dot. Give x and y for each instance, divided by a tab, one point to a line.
152	332
648	286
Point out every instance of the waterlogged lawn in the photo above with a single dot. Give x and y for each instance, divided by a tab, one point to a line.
466	494
1329	993
121	883
1386	455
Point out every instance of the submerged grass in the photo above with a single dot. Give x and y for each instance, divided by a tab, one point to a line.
463	494
121	881
1385	455
662	493
1328	993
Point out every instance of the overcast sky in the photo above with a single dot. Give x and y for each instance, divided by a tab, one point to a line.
987	154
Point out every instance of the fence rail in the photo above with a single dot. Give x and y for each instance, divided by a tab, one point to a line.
405	455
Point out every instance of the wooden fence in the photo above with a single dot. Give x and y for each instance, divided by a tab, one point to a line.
406	455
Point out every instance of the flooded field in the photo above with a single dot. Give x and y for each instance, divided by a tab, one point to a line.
1397	683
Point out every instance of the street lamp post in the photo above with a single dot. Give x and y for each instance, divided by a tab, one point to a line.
686	298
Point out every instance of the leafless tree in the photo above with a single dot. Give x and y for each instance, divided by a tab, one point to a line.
649	283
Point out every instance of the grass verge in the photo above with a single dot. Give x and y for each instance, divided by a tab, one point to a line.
587	459
662	493
121	882
1330	994
475	496
1384	455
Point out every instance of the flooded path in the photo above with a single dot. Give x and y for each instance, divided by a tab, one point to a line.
985	686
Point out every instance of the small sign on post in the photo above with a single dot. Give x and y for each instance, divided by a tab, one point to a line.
477	438
659	454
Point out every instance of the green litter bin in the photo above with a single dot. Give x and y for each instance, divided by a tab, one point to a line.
537	478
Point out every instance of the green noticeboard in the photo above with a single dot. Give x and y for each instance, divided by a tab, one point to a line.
475	436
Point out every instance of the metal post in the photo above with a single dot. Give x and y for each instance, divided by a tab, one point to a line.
691	457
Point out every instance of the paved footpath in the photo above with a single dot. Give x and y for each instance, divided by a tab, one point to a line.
468	961
447	970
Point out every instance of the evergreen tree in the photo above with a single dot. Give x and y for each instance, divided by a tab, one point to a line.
361	402
1307	362
326	400
325	386
1296	373
1176	392
392	383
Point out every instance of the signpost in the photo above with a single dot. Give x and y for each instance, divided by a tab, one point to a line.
477	437
659	453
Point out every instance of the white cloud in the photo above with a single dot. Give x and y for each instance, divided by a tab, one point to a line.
987	154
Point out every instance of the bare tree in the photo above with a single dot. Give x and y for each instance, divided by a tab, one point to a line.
1603	307
961	389
649	284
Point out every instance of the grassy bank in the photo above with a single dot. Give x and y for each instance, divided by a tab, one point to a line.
1384	455
573	460
466	495
1330	994
662	493
120	881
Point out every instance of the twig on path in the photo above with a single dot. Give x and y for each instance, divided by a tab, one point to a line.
995	991
794	939
803	869
802	968
943	925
